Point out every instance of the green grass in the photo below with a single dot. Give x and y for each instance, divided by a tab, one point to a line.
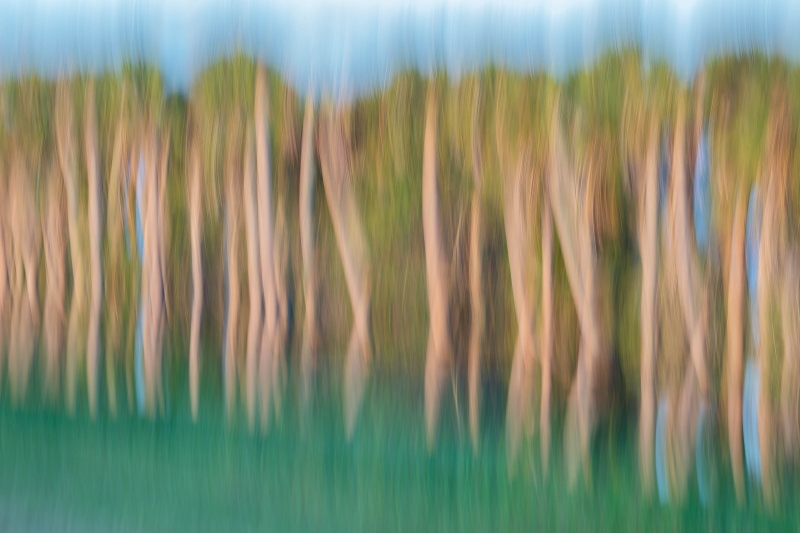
129	474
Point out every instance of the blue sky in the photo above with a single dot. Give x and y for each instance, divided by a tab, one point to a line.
346	47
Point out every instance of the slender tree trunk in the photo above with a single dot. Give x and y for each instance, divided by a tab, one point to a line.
767	259
55	271
475	285
308	250
352	244
26	255
67	157
6	271
519	410
680	230
735	342
547	330
266	245
232	195
281	261
575	235
439	354
253	279
114	281
648	249
162	290
195	235
790	372
95	231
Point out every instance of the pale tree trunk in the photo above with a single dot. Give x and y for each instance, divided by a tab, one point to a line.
519	410
790	372
162	227
253	279
735	341
153	270
195	235
55	244
148	206
352	244
547	331
475	286
232	195
281	264
6	270
439	353
648	250
574	232
67	157
115	271
95	231
767	261
691	296
266	246
25	316
308	250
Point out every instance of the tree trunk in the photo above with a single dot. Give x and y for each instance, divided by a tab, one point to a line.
735	342
547	330
648	250
232	188
519	410
68	162
575	234
55	271
352	245
253	279
25	316
308	250
114	278
438	358
266	244
475	285
195	235
95	231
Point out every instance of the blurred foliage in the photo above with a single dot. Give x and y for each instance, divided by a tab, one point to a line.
386	132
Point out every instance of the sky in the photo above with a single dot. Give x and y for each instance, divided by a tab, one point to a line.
343	48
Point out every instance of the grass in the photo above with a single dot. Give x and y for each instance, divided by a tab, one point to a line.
128	474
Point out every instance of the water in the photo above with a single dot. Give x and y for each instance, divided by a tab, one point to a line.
130	474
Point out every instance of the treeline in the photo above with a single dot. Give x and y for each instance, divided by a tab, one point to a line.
614	239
